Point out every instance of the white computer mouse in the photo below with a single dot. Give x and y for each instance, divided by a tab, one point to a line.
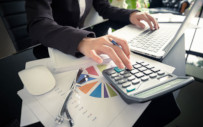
37	80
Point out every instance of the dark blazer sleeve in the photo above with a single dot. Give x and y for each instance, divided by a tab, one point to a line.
113	13
44	29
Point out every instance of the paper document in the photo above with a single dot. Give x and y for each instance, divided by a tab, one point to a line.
168	17
94	102
63	62
27	116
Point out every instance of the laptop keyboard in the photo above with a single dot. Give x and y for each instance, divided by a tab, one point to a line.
153	40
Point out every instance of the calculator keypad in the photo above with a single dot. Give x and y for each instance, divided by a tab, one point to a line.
130	80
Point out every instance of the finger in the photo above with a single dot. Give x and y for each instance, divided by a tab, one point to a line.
155	23
112	54
95	57
123	43
123	57
138	23
146	19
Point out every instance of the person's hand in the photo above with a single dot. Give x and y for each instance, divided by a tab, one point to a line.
93	47
136	17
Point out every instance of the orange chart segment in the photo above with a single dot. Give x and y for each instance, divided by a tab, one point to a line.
85	89
91	70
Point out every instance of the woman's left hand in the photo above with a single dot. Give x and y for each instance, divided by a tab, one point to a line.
136	17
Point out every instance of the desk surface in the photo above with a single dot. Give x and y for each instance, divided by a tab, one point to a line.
11	103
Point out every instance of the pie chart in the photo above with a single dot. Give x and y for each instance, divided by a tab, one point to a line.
95	85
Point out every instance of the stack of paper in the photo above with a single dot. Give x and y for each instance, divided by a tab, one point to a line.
95	103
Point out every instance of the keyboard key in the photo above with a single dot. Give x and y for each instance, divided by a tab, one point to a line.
155	69
122	81
161	73
134	71
139	75
127	84
142	68
125	72
153	75
127	75
130	89
118	78
140	61
118	70
145	78
131	78
136	81
137	66
147	72
149	66
109	72
114	75
144	64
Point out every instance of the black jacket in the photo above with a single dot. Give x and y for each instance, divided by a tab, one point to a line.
54	23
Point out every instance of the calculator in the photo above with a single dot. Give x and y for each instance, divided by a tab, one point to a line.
144	82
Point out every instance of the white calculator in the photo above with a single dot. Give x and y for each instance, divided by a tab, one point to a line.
144	82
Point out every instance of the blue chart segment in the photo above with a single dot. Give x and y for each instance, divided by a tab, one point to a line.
93	86
97	91
82	77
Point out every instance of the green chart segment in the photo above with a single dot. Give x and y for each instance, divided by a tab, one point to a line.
98	87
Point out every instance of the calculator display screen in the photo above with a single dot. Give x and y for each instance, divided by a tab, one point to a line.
158	89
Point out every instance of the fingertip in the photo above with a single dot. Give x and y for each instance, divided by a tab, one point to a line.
99	61
121	66
128	56
129	66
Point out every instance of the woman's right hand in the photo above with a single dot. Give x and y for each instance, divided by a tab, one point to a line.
93	47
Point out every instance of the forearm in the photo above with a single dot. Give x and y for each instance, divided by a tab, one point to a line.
63	38
44	29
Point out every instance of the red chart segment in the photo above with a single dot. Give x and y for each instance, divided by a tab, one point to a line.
91	70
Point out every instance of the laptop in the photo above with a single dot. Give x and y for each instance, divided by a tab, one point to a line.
157	44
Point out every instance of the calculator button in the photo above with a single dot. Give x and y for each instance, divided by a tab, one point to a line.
125	72
142	69
131	78
155	69
140	61
153	75
161	73
145	78
127	84
118	70
137	66
134	71
109	72
136	81
122	73
139	75
147	72
118	78
144	64
121	81
149	66
130	89
127	75
114	75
